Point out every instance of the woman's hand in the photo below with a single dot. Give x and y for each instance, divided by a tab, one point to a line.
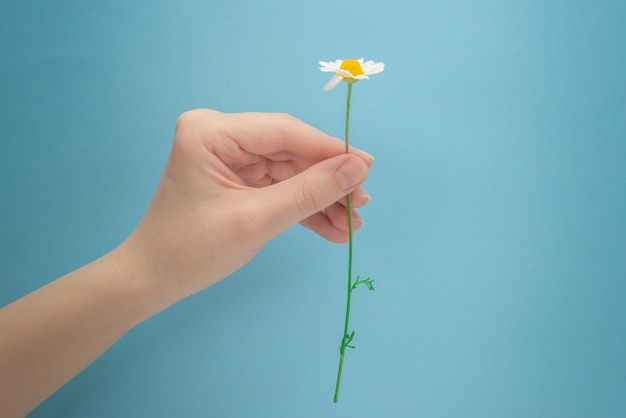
232	183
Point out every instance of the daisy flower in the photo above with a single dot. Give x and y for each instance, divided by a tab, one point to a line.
349	71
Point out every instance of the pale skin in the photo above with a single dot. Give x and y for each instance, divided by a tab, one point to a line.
232	182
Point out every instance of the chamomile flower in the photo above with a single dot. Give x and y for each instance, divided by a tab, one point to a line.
349	71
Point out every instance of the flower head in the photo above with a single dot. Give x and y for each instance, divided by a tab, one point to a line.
349	71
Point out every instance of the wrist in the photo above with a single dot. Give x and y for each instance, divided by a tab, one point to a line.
145	277
137	284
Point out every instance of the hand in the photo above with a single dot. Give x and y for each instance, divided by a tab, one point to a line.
232	183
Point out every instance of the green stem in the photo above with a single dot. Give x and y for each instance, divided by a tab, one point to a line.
347	140
344	340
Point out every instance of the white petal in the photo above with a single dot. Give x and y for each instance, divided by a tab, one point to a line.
328	67
371	67
345	73
332	83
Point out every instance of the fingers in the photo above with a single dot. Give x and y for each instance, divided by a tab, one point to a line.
304	195
338	216
278	137
359	198
332	224
298	173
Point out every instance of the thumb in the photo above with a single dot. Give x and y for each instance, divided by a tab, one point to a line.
311	191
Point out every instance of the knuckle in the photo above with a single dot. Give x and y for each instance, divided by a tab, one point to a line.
191	118
285	122
191	126
309	198
186	119
284	117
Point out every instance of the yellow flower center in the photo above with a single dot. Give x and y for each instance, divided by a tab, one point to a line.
353	66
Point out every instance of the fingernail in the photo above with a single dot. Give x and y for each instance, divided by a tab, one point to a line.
370	156
350	174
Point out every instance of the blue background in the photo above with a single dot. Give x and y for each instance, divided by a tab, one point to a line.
496	233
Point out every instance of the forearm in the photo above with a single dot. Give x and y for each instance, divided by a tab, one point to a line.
232	183
52	334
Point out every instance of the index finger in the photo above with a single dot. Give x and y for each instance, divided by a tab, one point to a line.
282	137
